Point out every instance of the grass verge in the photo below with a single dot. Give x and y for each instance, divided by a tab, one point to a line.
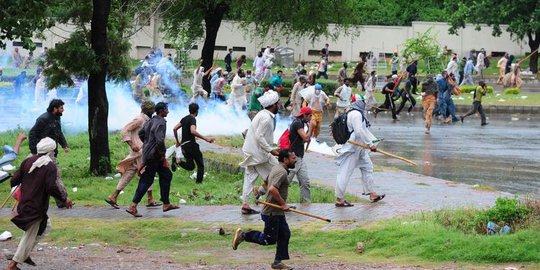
218	188
420	239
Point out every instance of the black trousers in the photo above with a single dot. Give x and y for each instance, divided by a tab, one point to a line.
388	104
147	179
193	156
404	98
414	84
276	231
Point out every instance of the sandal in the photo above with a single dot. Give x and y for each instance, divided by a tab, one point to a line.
154	204
249	211
134	213
378	198
344	204
112	203
170	207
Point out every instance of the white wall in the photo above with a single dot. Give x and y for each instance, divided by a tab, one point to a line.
379	39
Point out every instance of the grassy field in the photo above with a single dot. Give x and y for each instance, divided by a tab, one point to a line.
218	188
420	239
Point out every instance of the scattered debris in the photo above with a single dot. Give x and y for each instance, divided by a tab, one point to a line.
6	236
360	247
182	201
74	189
108	178
118	175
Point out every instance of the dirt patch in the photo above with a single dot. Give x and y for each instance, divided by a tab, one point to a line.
97	256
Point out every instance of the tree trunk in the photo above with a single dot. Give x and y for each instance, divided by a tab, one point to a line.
98	105
212	22
534	44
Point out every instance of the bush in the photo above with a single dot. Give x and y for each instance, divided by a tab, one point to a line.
512	91
506	211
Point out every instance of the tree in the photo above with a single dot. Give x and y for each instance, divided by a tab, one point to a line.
282	19
522	17
98	53
423	47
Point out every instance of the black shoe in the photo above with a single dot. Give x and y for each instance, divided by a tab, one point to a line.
461	119
173	164
28	260
485	124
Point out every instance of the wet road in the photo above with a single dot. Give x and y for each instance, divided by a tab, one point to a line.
504	155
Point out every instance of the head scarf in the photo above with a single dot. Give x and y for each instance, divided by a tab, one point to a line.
269	98
360	105
45	146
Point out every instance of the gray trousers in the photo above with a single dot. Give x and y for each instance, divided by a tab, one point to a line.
301	172
477	107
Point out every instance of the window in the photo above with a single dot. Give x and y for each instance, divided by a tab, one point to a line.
331	53
195	47
168	46
220	48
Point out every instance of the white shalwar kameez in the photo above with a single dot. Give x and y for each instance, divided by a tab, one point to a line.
196	87
256	149
238	93
352	156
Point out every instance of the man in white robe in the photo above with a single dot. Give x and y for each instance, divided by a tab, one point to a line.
257	149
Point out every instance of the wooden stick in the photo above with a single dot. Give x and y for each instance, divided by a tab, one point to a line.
295	211
533	52
9	196
385	153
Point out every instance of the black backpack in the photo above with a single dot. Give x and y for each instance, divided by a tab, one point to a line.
486	62
339	128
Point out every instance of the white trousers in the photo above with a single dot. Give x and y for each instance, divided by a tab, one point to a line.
347	163
250	176
29	240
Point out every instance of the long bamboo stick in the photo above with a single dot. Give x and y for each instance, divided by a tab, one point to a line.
295	211
9	196
385	153
533	52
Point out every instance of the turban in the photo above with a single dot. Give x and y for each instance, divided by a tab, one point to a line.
45	146
269	98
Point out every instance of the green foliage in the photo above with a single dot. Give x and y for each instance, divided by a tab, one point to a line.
394	12
219	186
506	210
423	47
521	16
21	19
412	240
512	91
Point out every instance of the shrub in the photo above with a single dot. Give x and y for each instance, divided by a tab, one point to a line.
506	211
512	91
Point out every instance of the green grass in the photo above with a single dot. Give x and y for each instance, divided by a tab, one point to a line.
418	239
218	188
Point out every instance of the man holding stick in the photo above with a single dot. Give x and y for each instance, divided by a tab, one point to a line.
276	229
352	156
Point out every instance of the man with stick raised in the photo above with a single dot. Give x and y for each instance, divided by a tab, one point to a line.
276	229
352	156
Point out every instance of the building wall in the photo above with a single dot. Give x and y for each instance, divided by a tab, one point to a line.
366	38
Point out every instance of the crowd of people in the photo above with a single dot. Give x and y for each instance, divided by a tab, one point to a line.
258	94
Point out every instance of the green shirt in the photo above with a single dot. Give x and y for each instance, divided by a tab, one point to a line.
254	104
479	92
